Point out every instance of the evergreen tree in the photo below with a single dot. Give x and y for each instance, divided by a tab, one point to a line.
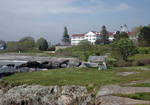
65	39
104	35
145	35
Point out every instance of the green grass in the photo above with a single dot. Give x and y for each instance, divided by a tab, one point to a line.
140	96
76	76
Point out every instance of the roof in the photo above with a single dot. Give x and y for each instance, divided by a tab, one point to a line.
129	33
78	35
111	34
97	33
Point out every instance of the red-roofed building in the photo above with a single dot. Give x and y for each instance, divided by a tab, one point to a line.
91	36
76	38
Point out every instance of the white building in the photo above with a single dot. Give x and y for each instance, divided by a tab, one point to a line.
91	36
76	38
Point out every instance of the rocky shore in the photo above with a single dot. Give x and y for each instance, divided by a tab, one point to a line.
34	64
46	95
68	95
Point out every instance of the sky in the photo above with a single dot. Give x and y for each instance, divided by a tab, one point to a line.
47	18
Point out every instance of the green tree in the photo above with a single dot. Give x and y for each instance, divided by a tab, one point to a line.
119	36
104	35
145	35
27	38
84	45
42	44
124	47
139	28
65	38
28	42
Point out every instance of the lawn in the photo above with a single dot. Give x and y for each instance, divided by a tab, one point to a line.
140	96
76	76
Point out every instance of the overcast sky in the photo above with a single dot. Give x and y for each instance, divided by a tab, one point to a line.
47	18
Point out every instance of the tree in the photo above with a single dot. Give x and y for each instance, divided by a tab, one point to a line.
104	35
27	38
28	42
119	36
124	47
65	38
84	45
145	35
42	44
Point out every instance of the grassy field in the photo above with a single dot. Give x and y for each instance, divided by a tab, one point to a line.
140	96
77	76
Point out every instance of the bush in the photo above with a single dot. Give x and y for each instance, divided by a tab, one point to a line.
143	62
84	57
111	62
51	48
144	50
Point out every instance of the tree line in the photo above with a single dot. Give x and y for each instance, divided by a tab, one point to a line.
27	44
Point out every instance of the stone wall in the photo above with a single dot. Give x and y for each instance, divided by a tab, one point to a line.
61	47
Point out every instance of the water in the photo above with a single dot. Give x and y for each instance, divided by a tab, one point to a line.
5	69
6	62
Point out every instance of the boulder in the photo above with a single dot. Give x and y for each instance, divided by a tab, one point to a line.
73	63
11	65
46	95
32	64
46	65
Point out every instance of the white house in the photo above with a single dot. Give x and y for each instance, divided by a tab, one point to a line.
91	36
76	38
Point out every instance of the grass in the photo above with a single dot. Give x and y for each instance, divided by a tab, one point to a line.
140	96
76	76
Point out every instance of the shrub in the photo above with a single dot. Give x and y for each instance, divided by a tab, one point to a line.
143	50
111	62
143	62
84	57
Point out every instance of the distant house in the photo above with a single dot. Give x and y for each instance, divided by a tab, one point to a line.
2	44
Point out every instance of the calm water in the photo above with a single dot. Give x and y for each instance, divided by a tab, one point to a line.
6	62
8	69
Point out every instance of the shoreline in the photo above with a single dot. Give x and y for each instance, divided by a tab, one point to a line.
31	58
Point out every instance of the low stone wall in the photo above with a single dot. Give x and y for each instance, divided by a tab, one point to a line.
61	47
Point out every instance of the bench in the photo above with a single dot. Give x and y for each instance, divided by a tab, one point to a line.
92	62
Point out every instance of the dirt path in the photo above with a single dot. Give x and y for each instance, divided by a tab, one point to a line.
105	95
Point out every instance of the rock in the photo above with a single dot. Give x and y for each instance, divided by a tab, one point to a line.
145	69
46	65
63	66
32	64
31	70
126	73
46	95
73	63
11	65
56	64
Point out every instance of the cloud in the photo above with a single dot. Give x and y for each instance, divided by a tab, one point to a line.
100	6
